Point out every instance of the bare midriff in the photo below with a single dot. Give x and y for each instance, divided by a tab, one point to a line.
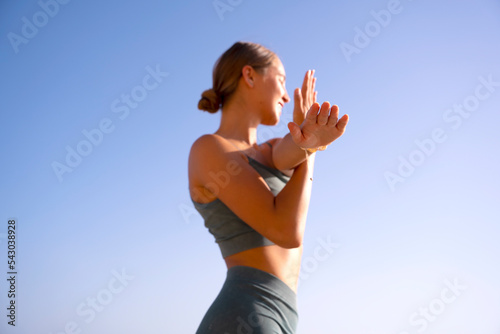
281	262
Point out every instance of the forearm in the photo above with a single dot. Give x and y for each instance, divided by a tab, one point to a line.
286	154
292	203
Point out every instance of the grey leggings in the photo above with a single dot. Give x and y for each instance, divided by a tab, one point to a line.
251	301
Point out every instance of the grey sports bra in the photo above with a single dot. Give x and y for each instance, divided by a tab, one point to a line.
231	233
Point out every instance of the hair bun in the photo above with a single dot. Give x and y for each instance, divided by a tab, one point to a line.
210	101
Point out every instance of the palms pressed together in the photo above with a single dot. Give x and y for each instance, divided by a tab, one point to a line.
319	125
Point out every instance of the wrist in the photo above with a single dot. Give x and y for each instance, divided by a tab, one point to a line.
312	150
298	120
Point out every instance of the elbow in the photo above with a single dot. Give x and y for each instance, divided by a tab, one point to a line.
290	240
288	230
289	244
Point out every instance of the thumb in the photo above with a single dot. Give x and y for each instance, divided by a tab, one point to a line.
342	123
295	132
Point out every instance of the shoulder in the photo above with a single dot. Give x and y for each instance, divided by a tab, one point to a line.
272	142
209	145
203	148
267	148
204	153
211	152
202	143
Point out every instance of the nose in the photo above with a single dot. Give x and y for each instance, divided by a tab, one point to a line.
286	98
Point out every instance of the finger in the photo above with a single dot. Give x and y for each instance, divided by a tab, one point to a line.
310	94
305	83
297	99
295	132
342	123
315	96
313	112
323	113
334	116
312	81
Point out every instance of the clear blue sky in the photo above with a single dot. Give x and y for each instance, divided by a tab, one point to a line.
99	113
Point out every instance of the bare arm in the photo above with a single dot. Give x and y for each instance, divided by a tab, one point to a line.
286	154
299	195
318	129
280	218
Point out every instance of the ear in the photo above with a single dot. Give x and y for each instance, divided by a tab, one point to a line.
248	75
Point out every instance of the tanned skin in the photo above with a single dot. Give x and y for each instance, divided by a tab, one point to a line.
259	99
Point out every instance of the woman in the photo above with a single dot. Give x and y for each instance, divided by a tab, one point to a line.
254	197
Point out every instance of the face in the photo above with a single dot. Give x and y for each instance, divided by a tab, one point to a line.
271	93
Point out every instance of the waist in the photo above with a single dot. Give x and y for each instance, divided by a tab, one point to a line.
282	263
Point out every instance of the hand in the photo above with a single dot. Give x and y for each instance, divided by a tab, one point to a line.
304	98
319	129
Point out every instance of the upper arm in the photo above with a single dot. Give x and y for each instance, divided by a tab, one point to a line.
224	172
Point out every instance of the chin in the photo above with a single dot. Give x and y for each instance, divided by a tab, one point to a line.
273	116
272	121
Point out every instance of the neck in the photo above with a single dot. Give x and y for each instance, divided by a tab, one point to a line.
239	123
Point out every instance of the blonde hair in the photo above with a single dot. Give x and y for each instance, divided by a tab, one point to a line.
227	72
